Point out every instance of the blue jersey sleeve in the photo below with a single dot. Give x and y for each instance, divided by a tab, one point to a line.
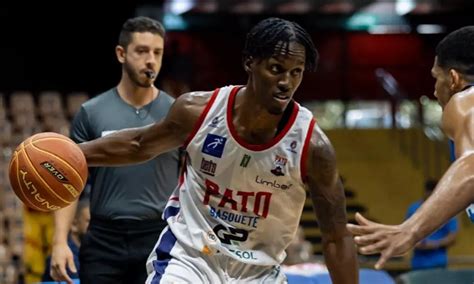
412	209
453	225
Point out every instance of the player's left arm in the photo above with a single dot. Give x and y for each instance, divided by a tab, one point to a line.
328	198
453	193
451	196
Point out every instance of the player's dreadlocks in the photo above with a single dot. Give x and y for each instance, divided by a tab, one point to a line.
275	32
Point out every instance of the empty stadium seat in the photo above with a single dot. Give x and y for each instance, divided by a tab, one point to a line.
21	101
50	104
74	102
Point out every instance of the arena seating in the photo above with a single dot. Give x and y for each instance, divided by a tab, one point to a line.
22	114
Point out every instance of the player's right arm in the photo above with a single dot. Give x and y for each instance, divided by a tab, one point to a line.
327	194
136	145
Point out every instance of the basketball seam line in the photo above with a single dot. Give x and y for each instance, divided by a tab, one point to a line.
55	138
41	178
59	158
19	183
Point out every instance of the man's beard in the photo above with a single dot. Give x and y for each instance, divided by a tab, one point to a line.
134	76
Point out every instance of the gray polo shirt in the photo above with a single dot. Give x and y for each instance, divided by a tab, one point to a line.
130	192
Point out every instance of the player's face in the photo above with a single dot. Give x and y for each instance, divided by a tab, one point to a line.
442	89
143	54
276	79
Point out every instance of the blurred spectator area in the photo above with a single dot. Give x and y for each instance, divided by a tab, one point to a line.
22	114
377	138
346	67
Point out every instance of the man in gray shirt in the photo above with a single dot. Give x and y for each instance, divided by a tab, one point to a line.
126	202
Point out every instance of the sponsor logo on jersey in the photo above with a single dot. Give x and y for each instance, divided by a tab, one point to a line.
234	218
211	237
206	250
293	145
245	161
214	145
243	254
208	167
278	164
215	121
272	183
242	201
230	235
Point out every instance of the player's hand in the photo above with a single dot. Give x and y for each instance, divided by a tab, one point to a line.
388	240
61	256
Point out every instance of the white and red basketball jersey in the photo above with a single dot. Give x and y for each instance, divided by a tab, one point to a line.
236	198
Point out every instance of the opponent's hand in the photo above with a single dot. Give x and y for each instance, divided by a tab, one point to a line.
388	240
61	256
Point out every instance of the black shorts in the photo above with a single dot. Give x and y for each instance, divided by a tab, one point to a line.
115	251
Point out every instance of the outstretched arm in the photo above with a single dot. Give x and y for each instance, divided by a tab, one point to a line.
136	145
329	203
454	192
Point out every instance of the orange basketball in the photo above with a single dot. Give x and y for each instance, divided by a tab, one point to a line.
48	171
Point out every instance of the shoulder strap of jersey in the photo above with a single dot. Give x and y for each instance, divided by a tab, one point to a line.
304	154
201	118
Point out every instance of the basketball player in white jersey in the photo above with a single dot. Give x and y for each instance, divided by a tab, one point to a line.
453	70
252	152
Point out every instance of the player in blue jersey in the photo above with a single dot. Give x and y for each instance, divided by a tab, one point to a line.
453	70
